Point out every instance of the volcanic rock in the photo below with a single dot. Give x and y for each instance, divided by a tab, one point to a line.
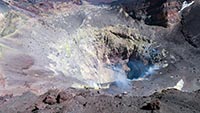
182	102
153	105
59	49
63	96
50	97
153	12
163	12
190	25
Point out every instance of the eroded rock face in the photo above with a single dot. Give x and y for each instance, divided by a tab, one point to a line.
190	25
41	7
135	8
163	12
155	12
125	47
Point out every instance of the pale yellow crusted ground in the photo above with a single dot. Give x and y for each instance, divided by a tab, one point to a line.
11	22
95	50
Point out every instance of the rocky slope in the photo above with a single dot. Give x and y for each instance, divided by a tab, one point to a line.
105	51
152	12
190	25
90	101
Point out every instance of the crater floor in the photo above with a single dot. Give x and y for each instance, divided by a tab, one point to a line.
96	48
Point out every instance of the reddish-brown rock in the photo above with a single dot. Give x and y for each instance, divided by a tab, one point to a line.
155	12
163	12
63	96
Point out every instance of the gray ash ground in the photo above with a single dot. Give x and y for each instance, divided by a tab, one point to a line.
31	55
